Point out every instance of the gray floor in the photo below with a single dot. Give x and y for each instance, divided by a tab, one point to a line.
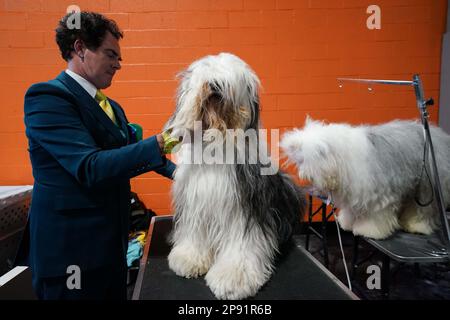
407	281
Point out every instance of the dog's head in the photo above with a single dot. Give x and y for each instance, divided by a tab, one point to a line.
220	92
315	151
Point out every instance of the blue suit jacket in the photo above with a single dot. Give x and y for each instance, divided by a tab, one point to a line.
82	164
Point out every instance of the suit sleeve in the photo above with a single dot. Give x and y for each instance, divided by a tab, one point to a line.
53	121
167	170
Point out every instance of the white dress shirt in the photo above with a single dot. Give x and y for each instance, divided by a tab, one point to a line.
89	87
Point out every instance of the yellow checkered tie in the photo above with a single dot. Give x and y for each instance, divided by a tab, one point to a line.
105	105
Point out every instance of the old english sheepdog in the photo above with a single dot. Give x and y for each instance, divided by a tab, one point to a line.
374	174
230	218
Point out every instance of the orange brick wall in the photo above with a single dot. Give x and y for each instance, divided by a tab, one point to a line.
297	47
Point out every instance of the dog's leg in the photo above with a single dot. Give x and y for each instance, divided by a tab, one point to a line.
346	219
242	267
190	257
377	225
416	219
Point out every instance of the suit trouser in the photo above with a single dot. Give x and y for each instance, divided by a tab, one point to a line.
100	284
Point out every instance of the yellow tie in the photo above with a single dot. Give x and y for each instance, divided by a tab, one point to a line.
105	105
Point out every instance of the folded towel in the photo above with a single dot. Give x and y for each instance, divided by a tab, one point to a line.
135	250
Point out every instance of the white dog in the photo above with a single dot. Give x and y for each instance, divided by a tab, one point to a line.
374	174
230	220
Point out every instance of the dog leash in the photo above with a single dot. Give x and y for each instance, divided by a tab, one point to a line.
424	168
330	203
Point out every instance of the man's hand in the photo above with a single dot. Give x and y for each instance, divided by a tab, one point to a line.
160	140
166	142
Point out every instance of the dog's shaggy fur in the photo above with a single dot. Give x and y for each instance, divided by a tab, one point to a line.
374	173
229	219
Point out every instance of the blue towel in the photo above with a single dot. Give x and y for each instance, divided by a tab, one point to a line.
134	251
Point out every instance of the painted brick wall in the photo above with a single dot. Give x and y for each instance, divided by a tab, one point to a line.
297	47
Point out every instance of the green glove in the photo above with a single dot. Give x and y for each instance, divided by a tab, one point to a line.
136	131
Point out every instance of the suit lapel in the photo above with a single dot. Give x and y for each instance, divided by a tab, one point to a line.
88	102
120	118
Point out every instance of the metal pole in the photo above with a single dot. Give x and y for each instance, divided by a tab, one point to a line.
374	81
422	105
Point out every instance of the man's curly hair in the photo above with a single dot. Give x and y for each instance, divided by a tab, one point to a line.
92	32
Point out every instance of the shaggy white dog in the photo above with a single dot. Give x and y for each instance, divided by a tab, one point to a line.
230	219
375	174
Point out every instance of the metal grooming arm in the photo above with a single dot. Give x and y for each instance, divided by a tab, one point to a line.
422	105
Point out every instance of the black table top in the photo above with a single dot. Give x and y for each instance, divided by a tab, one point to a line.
298	276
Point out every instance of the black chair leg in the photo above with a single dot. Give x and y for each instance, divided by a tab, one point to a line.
385	276
417	270
308	233
355	256
324	236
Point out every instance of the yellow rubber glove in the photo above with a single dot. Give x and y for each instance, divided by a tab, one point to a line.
169	142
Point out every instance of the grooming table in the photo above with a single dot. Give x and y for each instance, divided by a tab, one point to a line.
405	248
298	275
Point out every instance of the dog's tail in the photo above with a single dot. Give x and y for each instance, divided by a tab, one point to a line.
273	202
292	204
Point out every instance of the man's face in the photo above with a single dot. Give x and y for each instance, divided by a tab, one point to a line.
101	65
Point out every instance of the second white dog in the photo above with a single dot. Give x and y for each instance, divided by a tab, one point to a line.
374	174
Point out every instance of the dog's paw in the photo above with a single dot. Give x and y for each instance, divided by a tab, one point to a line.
187	262
235	282
367	228
418	220
417	226
345	220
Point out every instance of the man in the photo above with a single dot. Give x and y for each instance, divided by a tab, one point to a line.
83	157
